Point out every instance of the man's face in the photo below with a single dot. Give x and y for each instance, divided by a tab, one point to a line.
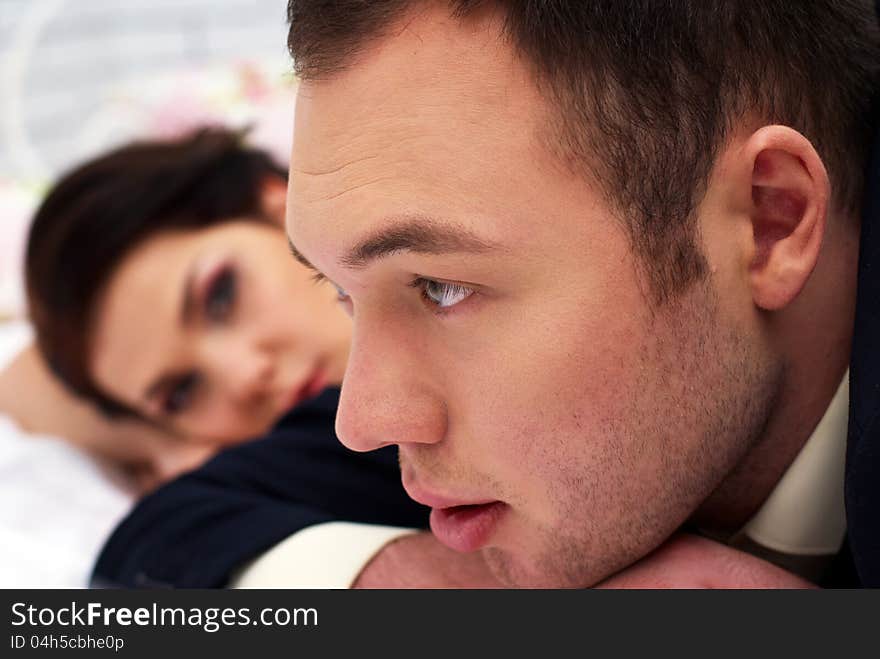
503	336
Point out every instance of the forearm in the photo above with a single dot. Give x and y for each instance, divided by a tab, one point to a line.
40	404
689	561
685	561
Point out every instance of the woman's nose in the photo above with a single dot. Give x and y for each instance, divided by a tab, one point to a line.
243	370
256	377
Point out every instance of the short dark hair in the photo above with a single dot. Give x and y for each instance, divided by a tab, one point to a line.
647	91
97	213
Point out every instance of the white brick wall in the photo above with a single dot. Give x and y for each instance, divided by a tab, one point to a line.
60	61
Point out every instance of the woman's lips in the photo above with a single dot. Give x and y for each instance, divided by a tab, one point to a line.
466	528
314	384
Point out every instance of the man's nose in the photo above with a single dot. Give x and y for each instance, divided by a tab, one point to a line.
387	395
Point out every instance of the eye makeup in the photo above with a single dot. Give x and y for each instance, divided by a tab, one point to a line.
180	394
217	290
214	292
219	301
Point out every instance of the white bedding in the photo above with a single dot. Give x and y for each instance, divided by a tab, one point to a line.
57	504
58	507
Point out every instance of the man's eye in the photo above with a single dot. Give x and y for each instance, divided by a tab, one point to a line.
221	295
344	300
181	394
442	294
341	295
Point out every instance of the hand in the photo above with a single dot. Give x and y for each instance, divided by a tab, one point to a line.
178	458
689	561
420	561
171	461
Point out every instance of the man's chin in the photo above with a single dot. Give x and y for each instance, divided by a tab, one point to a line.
517	571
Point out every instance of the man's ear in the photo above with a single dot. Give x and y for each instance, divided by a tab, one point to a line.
273	193
789	201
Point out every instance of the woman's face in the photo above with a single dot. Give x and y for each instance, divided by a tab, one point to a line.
217	332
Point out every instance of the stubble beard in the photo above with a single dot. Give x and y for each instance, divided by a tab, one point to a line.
704	397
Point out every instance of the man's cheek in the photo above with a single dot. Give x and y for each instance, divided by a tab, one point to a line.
519	536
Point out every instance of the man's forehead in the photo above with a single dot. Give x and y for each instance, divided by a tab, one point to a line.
432	122
431	74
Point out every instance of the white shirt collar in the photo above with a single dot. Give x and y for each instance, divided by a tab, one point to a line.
804	514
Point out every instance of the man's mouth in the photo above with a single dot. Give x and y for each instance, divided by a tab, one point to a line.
467	528
459	525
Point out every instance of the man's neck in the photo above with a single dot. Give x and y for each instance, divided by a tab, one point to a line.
816	335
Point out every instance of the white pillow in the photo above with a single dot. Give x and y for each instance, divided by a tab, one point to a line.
57	507
57	504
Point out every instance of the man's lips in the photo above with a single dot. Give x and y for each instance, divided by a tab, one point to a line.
467	528
464	526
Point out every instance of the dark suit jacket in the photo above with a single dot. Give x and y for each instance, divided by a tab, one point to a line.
862	490
195	531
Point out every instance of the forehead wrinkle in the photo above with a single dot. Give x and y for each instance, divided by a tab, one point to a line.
332	170
357	186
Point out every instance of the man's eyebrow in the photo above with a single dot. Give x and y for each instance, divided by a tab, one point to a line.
410	233
418	234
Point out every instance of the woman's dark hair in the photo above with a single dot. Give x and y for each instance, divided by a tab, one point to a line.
97	213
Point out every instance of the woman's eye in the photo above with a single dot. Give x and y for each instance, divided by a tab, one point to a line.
443	294
180	395
221	295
